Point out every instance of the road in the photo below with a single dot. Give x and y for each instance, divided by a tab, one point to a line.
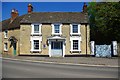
25	69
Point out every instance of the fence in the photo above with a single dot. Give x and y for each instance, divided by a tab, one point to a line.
104	50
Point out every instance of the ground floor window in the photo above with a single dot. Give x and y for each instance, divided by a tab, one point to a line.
75	44
36	44
6	46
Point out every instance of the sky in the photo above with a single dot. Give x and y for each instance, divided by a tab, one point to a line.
40	7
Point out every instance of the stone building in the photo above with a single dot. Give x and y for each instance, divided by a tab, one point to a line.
53	34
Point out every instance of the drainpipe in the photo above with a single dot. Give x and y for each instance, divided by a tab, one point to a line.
86	38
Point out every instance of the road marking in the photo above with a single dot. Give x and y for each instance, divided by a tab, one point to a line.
60	63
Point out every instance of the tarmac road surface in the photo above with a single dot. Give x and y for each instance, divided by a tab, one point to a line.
25	69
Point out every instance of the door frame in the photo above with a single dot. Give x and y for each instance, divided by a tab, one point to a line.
14	49
63	47
53	48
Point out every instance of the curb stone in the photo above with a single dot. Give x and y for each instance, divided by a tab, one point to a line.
50	62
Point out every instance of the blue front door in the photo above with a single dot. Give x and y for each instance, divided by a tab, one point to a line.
56	48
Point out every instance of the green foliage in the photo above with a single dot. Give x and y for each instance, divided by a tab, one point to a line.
104	21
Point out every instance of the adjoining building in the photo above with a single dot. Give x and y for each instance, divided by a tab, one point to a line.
53	34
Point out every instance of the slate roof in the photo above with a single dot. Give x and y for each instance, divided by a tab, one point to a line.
55	17
7	24
46	17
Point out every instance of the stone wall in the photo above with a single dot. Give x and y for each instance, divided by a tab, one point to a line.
46	32
83	43
66	32
16	34
25	45
25	34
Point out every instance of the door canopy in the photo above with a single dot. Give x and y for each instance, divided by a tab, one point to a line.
56	38
12	39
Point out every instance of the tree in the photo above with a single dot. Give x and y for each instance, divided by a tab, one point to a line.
104	21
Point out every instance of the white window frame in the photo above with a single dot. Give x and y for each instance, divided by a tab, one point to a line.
71	29
79	43
5	49
6	34
36	44
32	31
53	29
32	44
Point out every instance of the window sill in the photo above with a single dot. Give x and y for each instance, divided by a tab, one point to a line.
75	50
34	34
74	34
5	50
57	34
35	50
5	37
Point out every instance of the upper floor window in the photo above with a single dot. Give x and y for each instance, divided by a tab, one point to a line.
56	29
75	29
36	29
5	34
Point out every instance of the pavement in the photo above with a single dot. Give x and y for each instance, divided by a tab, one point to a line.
85	61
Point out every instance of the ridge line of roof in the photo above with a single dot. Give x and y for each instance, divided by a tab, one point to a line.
39	12
55	12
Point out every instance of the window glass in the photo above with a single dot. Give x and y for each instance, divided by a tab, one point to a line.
36	28
75	29
36	44
75	44
56	45
56	28
5	33
5	46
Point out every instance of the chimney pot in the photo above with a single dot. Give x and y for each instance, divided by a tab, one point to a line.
13	10
84	7
14	14
30	8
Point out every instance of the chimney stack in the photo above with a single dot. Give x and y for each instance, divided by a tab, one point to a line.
14	14
84	7
30	8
